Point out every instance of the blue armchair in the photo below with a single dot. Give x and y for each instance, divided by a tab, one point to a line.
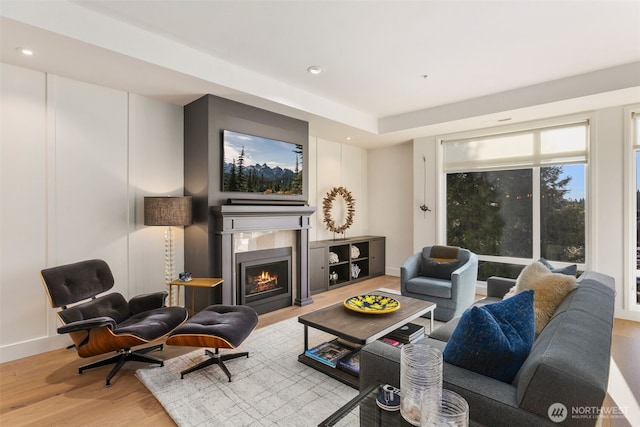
444	275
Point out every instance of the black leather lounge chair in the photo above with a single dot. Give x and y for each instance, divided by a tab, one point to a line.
108	323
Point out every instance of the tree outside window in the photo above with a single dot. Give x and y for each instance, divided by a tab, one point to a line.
492	213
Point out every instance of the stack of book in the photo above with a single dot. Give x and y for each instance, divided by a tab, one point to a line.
337	355
329	352
407	334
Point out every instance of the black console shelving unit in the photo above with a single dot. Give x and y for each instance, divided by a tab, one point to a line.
340	262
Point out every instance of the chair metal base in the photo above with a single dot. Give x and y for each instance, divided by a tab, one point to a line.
123	356
215	359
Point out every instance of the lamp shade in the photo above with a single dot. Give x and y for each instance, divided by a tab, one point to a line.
168	210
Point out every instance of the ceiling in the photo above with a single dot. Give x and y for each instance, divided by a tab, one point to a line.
394	70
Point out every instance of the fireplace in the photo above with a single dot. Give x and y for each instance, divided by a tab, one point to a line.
264	279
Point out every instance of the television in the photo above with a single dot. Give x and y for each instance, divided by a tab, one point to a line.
255	164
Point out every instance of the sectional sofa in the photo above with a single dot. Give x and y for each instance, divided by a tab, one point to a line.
564	377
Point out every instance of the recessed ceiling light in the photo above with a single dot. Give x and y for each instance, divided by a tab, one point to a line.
315	70
348	138
26	51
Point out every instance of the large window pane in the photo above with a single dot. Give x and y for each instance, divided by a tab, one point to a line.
490	213
562	213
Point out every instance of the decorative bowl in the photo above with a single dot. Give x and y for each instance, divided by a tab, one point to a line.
372	304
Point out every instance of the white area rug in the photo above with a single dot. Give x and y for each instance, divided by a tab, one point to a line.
270	388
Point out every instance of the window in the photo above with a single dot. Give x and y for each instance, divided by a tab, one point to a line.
636	148
516	197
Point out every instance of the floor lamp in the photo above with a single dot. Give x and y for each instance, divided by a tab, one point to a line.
168	211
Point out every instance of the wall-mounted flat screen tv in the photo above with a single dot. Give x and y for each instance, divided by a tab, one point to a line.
253	164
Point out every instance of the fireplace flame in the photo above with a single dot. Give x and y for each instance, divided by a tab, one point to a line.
267	278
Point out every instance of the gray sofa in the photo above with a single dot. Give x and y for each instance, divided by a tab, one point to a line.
568	363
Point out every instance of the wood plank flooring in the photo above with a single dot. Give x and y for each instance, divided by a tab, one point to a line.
45	390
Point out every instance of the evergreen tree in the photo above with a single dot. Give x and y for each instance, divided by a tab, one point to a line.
473	213
296	184
232	182
241	178
562	226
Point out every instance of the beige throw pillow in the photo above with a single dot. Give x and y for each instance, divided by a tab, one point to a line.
549	289
548	293
529	275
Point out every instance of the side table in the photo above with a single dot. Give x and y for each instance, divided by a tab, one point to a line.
362	410
198	282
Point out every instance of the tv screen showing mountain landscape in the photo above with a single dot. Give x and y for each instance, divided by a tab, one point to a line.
253	164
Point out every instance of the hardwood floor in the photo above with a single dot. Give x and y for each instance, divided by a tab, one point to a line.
46	390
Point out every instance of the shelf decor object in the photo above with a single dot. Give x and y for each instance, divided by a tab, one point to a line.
327	209
170	212
372	304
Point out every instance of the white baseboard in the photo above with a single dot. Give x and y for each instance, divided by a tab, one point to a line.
392	271
32	347
632	315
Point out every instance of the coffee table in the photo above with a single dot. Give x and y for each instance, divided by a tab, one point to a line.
362	410
358	329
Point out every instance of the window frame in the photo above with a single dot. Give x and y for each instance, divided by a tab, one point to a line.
441	180
631	146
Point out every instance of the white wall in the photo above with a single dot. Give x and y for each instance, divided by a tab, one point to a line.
334	165
76	161
391	201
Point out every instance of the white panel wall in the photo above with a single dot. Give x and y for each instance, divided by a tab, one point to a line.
23	195
77	160
425	224
90	198
339	165
156	169
390	183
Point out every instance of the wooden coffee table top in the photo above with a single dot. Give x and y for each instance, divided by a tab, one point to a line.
362	328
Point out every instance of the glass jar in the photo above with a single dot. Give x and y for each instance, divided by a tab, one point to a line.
420	380
452	411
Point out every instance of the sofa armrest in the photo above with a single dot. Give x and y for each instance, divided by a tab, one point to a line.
379	364
497	287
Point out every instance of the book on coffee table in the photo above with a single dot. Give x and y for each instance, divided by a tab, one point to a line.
329	352
350	363
407	333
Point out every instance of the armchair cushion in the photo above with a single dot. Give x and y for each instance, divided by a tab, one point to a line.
110	305
495	339
145	302
438	269
151	325
430	286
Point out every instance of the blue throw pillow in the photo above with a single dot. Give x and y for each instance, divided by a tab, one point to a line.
494	340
